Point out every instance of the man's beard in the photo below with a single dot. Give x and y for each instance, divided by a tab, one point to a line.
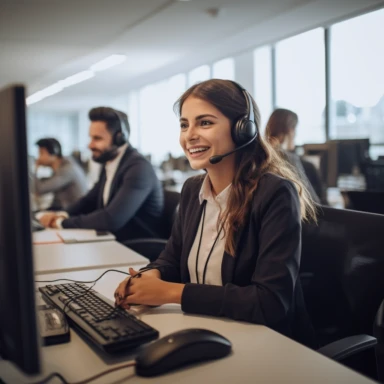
106	155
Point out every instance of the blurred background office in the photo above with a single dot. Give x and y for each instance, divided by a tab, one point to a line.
321	59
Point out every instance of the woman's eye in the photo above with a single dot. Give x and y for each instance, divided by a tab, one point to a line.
205	122
183	126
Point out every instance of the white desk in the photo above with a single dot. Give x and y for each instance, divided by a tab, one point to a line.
260	355
52	258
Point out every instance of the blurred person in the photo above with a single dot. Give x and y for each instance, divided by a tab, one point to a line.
280	132
236	242
68	181
127	200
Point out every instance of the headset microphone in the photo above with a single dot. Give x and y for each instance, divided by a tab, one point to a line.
217	158
244	131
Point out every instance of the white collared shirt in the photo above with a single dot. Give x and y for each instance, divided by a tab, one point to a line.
110	171
215	206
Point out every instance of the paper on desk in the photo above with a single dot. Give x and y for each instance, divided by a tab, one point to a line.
46	237
70	236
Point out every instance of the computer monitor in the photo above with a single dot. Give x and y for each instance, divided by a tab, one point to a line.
351	155
339	157
19	341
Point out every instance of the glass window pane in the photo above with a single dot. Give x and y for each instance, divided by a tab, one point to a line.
224	69
263	83
133	116
176	86
62	126
159	128
300	83
199	74
357	78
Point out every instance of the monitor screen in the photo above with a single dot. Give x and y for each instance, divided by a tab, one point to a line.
351	155
19	341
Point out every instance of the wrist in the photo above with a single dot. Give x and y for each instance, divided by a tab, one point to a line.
152	272
175	293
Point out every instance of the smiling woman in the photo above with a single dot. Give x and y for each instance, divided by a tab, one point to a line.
235	245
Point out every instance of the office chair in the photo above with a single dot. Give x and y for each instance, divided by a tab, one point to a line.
314	178
378	332
342	265
366	201
152	247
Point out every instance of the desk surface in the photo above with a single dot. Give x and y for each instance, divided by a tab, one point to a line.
52	258
260	355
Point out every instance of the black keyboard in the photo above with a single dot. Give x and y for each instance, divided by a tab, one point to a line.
111	329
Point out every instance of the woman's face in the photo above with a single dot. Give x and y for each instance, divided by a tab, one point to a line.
204	132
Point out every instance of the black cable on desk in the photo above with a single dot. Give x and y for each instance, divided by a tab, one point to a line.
85	282
86	381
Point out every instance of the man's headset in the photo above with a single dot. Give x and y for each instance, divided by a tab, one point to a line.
120	137
244	131
53	146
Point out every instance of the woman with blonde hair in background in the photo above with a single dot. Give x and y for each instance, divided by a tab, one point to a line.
280	132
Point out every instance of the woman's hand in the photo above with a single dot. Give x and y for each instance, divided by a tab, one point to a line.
47	219
122	289
148	289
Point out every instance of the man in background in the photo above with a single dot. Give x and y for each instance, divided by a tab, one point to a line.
127	200
67	183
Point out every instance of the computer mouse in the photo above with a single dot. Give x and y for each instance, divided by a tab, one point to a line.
53	320
179	349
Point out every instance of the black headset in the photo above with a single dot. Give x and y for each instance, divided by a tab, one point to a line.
56	148
244	131
245	128
121	136
51	145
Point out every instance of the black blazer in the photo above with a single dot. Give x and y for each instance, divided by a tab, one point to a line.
134	206
261	282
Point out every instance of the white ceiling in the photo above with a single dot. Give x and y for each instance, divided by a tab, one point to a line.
43	41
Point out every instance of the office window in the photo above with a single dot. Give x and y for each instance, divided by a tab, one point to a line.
300	83
224	69
263	83
62	126
176	86
199	74
159	127
357	78
133	116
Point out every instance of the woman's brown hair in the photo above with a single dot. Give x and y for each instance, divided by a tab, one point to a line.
252	162
280	123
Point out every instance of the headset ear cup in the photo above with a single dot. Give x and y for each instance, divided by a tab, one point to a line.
243	131
236	132
119	139
250	130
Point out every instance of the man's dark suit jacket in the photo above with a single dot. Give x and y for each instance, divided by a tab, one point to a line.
135	202
261	282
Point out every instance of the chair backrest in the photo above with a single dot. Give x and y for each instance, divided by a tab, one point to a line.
367	201
171	203
378	332
343	268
